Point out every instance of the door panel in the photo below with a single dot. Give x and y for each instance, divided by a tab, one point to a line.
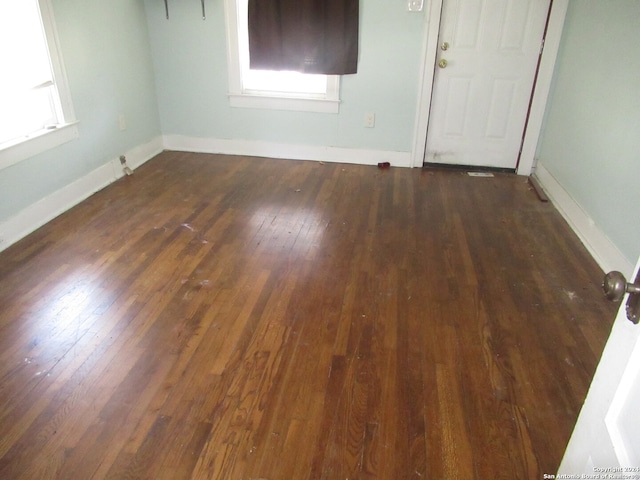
480	98
518	18
466	21
607	433
500	108
457	103
622	419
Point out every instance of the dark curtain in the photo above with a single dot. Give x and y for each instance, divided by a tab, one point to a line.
309	36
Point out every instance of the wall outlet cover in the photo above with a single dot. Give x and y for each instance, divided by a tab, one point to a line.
416	5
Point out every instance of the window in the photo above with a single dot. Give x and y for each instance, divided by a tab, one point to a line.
270	89
35	103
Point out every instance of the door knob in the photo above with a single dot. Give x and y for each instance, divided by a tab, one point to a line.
615	286
442	63
445	46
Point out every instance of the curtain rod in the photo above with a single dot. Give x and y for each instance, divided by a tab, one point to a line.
166	9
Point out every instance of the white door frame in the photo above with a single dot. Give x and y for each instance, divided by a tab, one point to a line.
538	103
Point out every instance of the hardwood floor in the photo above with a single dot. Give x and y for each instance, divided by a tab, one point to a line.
219	317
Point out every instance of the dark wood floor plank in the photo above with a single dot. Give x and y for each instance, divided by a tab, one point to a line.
235	317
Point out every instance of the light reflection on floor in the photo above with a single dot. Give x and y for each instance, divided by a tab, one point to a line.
296	229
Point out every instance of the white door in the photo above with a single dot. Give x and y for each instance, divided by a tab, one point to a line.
606	438
481	95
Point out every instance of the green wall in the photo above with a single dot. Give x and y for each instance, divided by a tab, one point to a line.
591	138
190	62
119	54
107	56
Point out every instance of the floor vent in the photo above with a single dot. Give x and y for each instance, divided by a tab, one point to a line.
480	174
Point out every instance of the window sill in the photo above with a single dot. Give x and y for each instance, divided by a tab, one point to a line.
284	103
17	150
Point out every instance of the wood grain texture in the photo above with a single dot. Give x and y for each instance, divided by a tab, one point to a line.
215	317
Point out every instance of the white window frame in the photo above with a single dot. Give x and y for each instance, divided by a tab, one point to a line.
66	130
328	102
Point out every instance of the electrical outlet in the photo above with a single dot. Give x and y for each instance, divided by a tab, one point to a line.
370	120
416	5
122	122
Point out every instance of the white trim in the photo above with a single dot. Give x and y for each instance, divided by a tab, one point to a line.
57	63
284	150
46	209
430	52
542	87
601	248
545	75
137	156
245	100
328	102
233	61
36	143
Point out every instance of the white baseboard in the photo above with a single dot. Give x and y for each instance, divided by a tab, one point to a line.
46	209
603	250
284	150
137	156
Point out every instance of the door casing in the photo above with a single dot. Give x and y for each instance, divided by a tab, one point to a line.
540	95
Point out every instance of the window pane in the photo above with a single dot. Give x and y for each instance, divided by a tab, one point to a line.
270	81
26	112
293	82
23	48
26	84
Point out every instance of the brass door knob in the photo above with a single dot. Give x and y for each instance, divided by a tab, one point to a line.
442	63
615	286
